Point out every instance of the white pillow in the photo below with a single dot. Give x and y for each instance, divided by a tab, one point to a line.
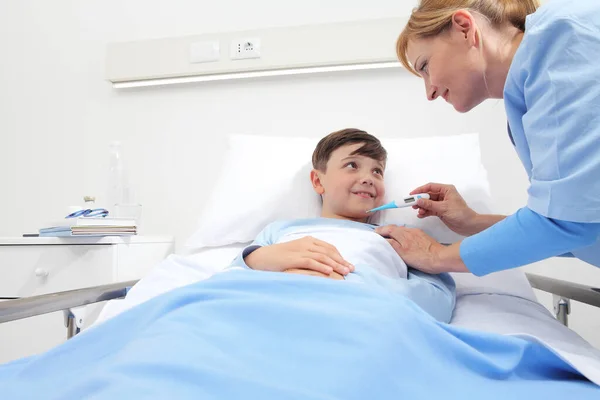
270	177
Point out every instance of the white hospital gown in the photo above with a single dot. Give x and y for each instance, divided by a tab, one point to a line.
374	259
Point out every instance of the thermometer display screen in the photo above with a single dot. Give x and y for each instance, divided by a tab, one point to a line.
409	199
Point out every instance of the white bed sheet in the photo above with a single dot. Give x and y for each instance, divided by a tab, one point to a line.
173	272
510	315
483	307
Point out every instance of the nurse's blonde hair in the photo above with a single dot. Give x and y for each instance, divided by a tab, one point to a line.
433	17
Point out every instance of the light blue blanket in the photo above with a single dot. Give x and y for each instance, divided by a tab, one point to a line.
261	335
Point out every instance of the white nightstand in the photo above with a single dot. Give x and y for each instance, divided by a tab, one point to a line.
33	266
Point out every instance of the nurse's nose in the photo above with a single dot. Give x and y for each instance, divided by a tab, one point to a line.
432	91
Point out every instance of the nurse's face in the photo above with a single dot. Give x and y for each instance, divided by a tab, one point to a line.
451	65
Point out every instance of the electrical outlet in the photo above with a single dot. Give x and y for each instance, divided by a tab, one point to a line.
245	48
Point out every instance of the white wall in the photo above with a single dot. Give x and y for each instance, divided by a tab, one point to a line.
58	114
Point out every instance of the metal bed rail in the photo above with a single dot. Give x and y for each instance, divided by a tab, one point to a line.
67	301
563	292
569	290
12	310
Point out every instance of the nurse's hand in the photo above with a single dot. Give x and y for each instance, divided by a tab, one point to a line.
421	251
449	206
307	253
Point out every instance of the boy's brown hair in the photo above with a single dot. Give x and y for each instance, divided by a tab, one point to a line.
371	148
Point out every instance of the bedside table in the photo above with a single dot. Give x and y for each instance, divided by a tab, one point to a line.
40	265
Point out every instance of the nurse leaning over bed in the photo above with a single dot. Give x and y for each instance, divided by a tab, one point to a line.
545	63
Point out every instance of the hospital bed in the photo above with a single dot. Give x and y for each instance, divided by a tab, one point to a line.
563	292
477	311
502	304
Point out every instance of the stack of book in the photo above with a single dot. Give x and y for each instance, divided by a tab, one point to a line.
86	227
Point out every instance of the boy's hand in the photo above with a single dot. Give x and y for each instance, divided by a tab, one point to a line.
306	253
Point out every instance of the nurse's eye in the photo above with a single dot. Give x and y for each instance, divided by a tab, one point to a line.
424	67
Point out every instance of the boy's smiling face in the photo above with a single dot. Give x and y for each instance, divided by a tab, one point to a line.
350	185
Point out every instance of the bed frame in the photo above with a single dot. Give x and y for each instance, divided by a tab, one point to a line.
68	302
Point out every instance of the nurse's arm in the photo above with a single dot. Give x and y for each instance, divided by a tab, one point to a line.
522	238
482	222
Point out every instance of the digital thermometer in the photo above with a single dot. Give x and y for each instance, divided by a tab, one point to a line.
406	202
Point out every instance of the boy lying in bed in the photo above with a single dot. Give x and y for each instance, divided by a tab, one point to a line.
348	174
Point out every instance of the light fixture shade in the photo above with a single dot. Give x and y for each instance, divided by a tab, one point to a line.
342	46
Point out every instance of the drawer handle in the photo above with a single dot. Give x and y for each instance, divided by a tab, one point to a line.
41	273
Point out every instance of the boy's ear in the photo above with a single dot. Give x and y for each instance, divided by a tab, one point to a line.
315	178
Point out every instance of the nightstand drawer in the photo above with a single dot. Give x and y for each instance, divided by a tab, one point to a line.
28	270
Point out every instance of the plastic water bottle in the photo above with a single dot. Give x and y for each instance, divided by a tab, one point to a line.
118	181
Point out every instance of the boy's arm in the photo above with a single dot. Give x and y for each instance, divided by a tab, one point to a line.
264	238
307	254
436	294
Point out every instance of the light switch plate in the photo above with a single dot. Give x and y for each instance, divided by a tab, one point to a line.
201	52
